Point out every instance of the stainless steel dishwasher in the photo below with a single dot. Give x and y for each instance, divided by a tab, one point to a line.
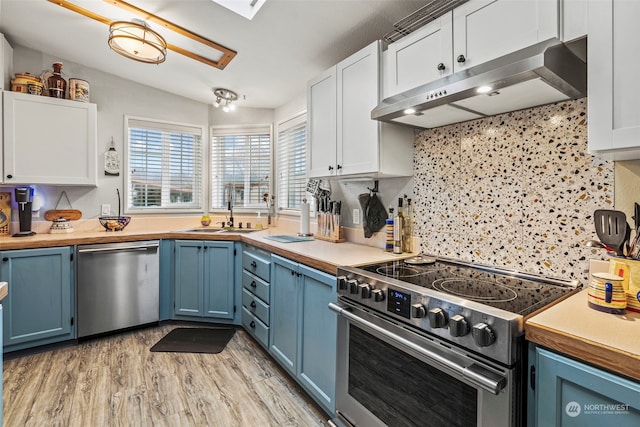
117	286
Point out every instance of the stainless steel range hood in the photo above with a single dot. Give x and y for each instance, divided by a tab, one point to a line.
541	74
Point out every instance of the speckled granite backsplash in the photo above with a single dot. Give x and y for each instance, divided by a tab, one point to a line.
516	190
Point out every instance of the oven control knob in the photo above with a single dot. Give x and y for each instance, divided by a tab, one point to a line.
458	326
378	295
483	335
418	310
342	283
365	290
437	318
353	286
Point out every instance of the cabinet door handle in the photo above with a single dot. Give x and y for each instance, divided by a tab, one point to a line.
330	167
253	284
293	272
461	59
5	259
253	304
253	264
441	67
338	167
9	176
252	325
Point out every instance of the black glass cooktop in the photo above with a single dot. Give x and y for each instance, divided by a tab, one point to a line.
521	296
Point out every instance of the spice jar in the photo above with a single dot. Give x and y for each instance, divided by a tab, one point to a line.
56	84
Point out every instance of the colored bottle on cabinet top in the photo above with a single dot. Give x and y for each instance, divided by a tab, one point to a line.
56	84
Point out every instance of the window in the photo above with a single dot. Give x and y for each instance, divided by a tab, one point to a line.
164	166
240	167
291	162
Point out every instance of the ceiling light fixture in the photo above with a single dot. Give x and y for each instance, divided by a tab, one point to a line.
227	96
217	56
135	40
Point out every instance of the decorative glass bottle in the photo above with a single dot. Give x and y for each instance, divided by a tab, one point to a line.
56	84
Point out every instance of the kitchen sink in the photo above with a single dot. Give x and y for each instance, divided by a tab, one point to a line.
238	230
218	230
202	230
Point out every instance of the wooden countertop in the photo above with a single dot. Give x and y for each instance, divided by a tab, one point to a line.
322	255
606	340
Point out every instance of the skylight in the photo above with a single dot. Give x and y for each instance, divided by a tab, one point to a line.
244	8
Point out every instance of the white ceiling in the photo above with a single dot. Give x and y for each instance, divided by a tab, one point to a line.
287	43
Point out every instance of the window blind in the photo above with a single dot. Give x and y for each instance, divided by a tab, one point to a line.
240	167
291	162
164	166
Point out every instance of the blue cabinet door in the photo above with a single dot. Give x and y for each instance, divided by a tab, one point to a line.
219	286
38	308
317	359
569	393
189	271
284	314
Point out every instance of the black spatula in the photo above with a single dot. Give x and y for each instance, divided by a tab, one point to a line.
611	227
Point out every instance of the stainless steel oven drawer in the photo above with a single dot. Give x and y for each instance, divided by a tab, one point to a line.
255	306
256	286
253	262
259	330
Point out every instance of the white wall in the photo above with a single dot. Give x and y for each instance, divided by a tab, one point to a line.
115	98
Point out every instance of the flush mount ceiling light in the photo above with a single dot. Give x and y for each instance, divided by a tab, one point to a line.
225	97
213	54
135	40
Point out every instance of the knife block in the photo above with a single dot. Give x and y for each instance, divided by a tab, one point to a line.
335	236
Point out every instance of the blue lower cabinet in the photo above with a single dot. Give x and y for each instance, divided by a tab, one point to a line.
303	329
570	393
204	279
39	307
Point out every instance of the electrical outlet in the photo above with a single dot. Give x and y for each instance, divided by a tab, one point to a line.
356	216
105	209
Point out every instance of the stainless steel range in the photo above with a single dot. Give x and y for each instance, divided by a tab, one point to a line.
429	342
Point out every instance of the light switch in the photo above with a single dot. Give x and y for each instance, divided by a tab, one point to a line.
356	216
105	209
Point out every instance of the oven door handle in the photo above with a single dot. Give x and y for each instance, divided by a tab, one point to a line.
477	375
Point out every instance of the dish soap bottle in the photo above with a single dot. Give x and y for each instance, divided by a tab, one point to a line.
259	222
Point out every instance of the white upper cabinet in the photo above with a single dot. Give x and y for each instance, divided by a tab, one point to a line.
422	56
487	29
321	124
49	141
343	140
574	19
613	84
473	33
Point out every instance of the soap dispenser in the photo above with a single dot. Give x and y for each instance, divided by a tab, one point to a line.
259	222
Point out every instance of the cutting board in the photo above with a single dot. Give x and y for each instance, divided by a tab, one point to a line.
70	214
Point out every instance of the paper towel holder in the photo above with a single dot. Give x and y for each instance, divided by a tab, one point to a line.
301	234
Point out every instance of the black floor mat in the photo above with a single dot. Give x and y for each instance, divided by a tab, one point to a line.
195	340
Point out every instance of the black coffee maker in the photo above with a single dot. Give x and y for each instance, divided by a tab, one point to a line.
24	198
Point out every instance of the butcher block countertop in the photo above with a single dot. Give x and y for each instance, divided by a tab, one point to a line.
322	255
605	340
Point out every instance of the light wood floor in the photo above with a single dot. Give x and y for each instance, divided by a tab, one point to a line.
117	381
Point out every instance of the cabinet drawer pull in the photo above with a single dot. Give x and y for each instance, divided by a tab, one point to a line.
253	284
252	325
253	304
9	176
253	264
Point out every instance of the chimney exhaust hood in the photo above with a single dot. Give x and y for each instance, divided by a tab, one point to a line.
544	73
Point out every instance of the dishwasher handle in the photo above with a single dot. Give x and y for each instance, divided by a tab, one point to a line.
120	248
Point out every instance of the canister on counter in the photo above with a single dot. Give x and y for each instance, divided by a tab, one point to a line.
5	213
